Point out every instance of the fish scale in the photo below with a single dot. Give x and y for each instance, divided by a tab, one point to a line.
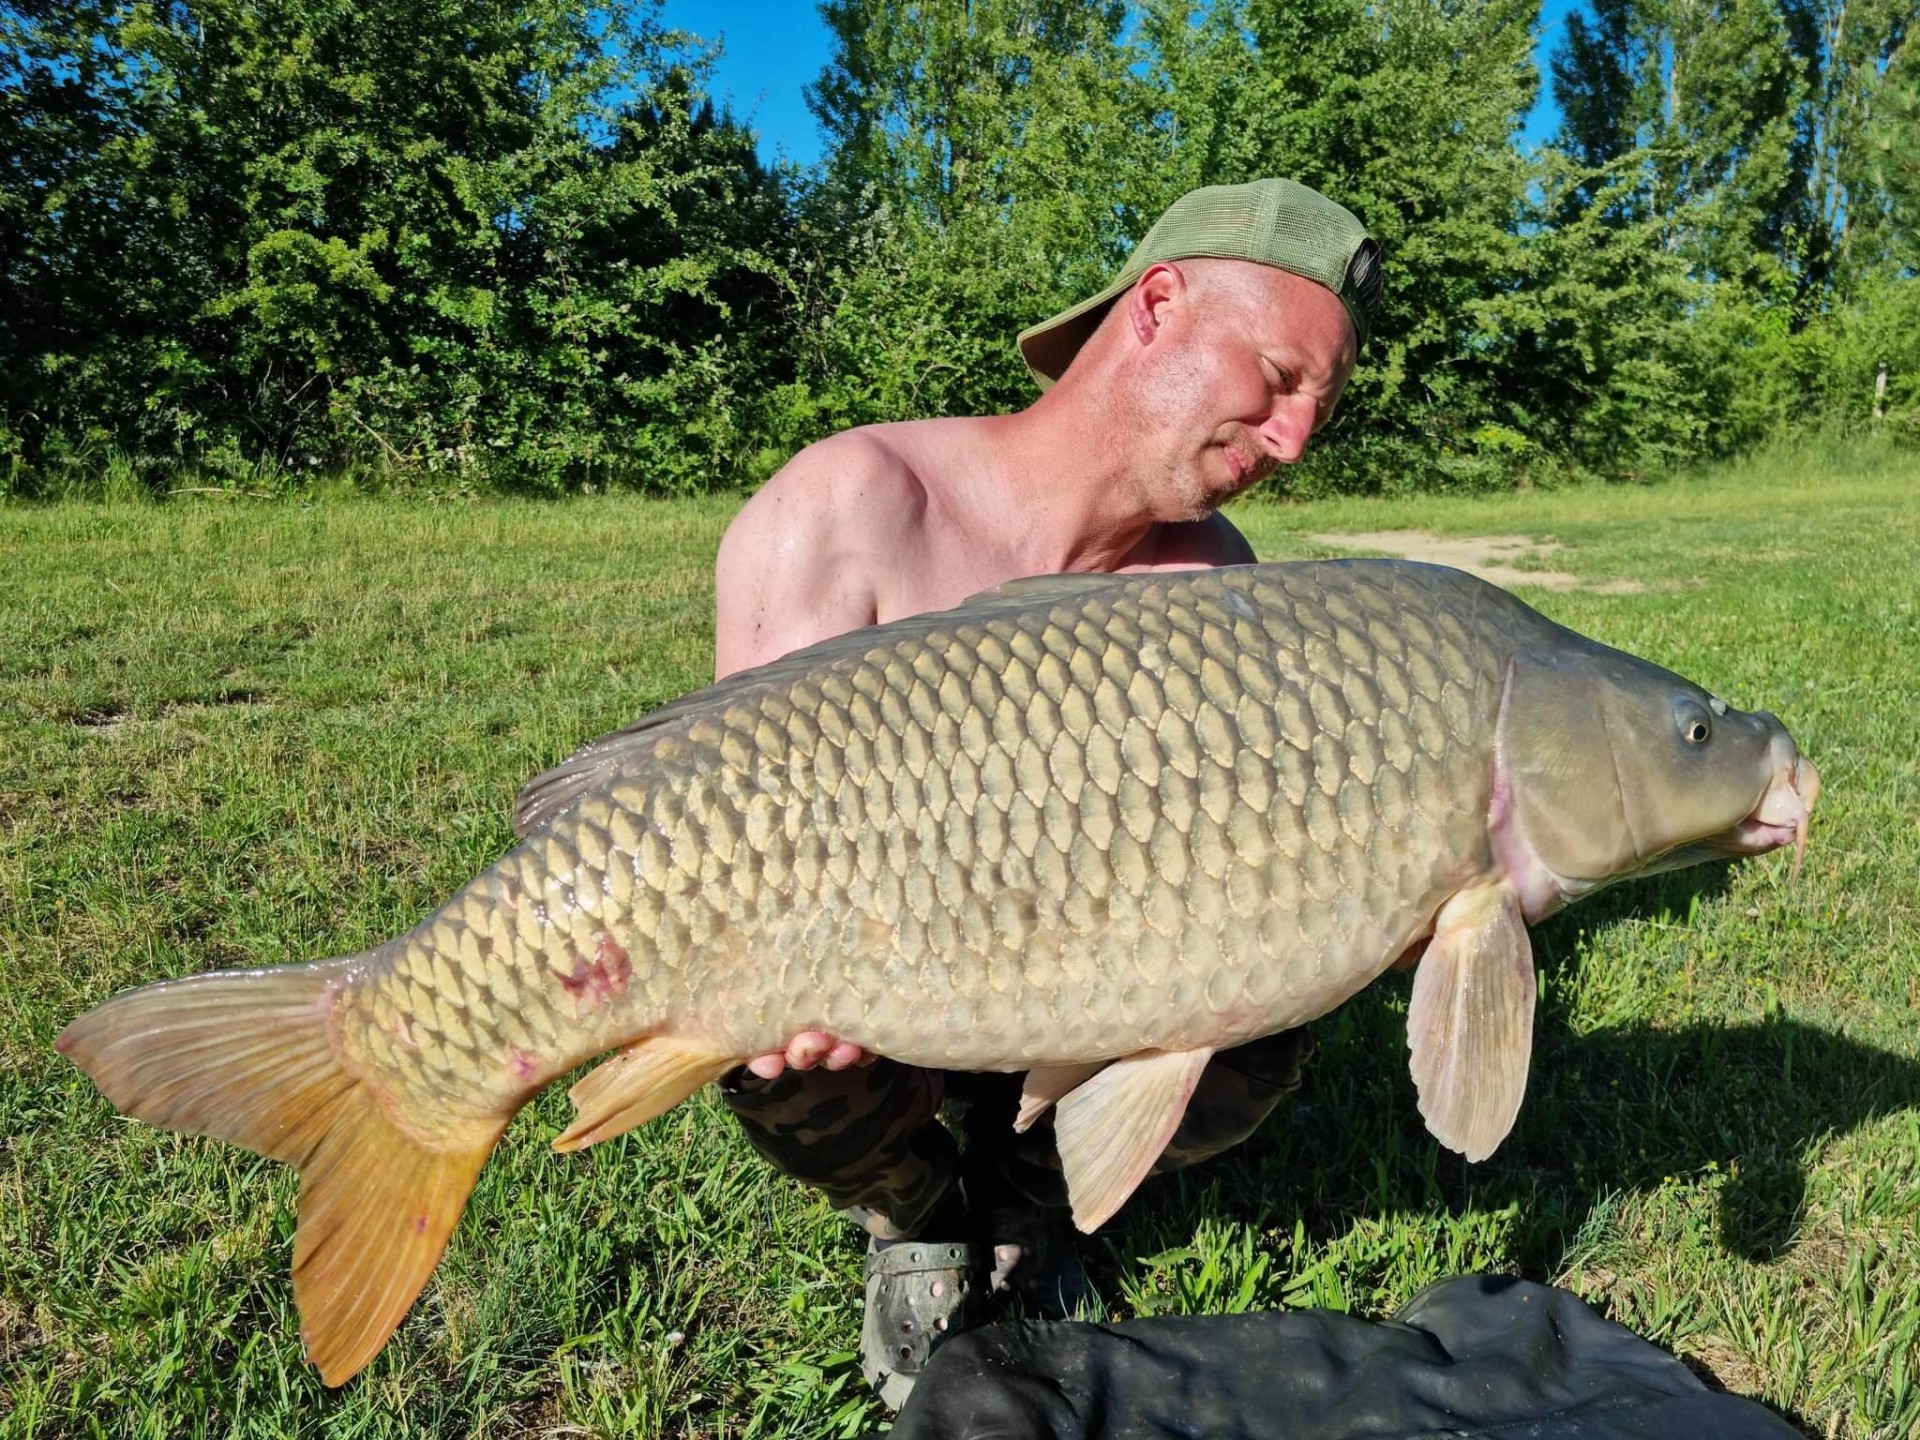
1077	820
935	847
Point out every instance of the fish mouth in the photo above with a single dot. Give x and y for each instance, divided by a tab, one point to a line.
1779	819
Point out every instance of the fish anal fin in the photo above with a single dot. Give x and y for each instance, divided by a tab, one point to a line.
646	1078
1470	1023
1112	1128
248	1057
1045	1085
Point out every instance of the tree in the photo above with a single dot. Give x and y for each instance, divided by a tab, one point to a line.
501	239
1749	119
981	156
986	205
1702	96
1406	112
1844	48
1895	145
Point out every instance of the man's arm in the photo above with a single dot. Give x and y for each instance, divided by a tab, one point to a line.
797	564
796	567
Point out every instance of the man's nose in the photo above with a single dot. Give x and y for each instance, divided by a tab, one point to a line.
1288	427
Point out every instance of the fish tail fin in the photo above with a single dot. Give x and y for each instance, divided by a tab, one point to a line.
247	1056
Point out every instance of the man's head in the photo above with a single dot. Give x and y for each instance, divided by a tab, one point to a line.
1225	340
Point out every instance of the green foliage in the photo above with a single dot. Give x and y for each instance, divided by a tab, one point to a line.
505	243
1713	203
1895	142
983	207
1660	286
959	194
512	246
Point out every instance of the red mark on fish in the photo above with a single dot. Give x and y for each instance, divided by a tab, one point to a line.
604	978
523	1065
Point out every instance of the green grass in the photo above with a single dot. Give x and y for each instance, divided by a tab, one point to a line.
236	733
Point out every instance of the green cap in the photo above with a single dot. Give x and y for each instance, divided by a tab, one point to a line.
1271	222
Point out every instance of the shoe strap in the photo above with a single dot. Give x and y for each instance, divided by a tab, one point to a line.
913	1257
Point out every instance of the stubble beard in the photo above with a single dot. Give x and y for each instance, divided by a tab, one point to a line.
1170	485
1173	485
1191	498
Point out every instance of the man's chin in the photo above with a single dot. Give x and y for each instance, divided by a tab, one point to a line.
1190	495
1199	508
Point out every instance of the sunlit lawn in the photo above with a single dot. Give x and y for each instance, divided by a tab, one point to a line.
249	733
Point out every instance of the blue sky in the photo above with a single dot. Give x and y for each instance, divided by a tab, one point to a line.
773	47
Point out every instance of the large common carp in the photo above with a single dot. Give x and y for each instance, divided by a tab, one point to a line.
1092	828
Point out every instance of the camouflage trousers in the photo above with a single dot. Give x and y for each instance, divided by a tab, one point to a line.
872	1139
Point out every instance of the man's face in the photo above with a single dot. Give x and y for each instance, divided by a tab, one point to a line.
1243	363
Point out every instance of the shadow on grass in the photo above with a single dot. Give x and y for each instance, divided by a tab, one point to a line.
1614	1111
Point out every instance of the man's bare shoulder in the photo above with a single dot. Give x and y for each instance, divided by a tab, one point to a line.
1194	544
856	472
800	560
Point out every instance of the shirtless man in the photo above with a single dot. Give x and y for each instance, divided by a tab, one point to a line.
1220	349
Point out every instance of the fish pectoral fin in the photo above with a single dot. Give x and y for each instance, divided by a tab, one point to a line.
1046	1085
1111	1128
1470	1024
647	1078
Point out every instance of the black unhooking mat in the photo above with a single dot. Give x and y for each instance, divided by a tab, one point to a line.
1479	1356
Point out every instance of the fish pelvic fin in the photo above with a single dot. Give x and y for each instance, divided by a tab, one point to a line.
1110	1129
1044	1086
646	1078
1470	1022
247	1056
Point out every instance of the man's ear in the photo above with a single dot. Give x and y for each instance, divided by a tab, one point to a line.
1159	288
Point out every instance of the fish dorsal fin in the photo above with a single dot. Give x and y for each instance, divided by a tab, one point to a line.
553	792
1470	1023
647	1078
1051	587
1047	1084
1113	1127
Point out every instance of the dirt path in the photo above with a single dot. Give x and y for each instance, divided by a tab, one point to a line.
1491	557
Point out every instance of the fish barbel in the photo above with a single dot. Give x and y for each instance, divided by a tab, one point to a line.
1094	828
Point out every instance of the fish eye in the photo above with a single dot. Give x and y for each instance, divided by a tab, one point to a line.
1696	726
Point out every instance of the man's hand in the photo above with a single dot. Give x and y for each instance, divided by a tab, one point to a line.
808	1049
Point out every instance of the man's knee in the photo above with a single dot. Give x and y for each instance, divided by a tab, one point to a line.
1276	1061
867	1137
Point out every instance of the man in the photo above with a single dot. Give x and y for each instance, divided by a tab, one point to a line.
1214	356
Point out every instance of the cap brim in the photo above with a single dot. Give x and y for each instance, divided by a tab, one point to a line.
1049	347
